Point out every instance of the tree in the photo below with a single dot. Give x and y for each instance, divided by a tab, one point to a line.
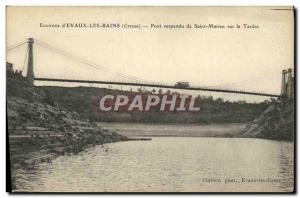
219	101
140	90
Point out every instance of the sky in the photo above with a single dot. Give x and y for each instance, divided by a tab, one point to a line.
249	59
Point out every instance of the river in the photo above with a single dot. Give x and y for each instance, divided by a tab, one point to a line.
201	164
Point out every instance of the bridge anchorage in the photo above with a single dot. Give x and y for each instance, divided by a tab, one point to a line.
287	86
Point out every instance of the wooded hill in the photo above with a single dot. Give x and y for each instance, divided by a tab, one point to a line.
85	101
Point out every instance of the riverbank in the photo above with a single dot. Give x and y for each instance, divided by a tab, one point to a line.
276	122
39	130
174	130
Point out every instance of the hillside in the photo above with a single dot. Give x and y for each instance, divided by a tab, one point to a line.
85	100
276	122
39	130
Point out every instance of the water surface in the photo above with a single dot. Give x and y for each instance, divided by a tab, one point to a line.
165	164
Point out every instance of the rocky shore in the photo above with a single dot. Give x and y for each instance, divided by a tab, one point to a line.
40	130
276	122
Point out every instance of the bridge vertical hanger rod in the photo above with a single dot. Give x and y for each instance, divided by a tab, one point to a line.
30	74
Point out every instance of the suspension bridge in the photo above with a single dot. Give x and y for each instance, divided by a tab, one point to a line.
131	80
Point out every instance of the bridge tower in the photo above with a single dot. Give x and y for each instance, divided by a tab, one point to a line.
30	74
283	81
287	85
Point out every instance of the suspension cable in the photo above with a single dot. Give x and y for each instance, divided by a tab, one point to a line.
25	60
15	46
88	63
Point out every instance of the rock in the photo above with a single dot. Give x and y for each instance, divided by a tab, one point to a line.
40	126
276	122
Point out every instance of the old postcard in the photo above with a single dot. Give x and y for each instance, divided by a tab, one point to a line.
150	99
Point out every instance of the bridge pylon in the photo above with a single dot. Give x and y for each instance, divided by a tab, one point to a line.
287	84
30	73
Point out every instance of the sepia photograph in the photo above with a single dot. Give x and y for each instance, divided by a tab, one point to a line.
144	99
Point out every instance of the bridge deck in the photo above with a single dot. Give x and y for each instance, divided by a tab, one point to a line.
159	86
